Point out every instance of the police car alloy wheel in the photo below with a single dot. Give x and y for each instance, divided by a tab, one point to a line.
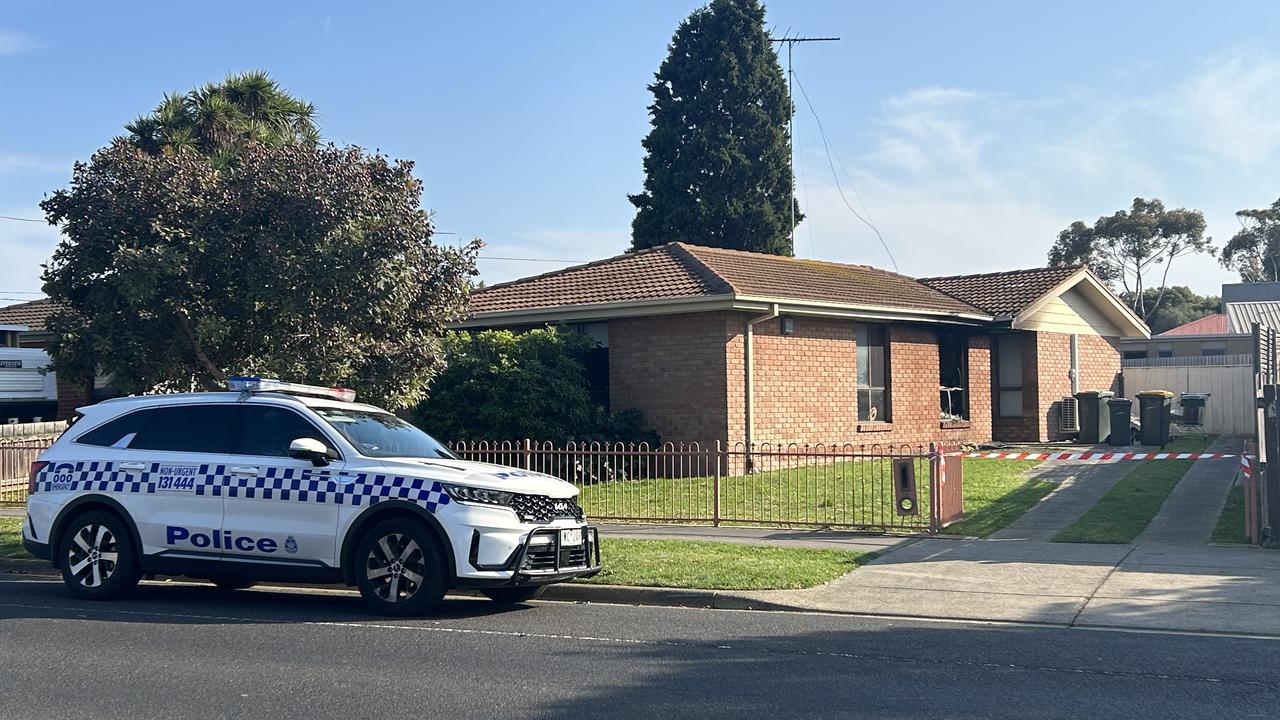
514	595
401	568
97	557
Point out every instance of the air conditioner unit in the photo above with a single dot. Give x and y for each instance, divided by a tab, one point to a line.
1069	415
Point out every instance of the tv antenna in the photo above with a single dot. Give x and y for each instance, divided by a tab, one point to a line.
790	41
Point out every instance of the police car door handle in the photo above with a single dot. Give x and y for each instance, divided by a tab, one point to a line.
243	470
132	466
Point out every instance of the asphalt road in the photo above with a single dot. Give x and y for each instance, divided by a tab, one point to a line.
186	651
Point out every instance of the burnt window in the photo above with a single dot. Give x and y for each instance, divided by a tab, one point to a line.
953	376
873	373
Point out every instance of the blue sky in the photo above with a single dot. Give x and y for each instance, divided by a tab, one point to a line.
972	132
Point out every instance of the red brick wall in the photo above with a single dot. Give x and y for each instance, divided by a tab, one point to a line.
72	396
1099	370
805	386
672	369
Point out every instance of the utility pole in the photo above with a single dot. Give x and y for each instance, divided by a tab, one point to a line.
790	42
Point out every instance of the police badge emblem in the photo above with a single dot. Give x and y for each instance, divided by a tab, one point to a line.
290	545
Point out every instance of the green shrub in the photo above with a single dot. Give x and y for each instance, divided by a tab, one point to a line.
500	385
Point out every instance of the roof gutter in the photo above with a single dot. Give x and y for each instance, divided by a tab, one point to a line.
748	359
711	303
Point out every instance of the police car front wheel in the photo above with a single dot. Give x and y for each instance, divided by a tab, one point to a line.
400	568
98	558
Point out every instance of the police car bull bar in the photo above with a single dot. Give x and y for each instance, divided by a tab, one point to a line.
543	556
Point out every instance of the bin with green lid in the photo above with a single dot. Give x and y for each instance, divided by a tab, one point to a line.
1154	409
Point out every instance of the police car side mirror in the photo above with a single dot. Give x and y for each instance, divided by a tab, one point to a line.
309	449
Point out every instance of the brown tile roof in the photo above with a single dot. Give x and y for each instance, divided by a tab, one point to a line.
772	276
1003	293
32	314
651	274
678	270
1215	324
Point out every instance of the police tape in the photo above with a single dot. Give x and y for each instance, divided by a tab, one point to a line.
1092	456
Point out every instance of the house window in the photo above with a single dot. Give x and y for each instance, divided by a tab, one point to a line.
873	373
1009	375
1213	349
1135	355
1165	353
953	376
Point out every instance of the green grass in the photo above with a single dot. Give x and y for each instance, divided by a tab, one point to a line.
11	538
1124	512
996	492
720	565
848	493
1230	528
840	493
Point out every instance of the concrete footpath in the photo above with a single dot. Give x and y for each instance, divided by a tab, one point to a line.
1138	586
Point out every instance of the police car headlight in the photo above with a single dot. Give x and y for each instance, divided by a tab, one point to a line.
482	496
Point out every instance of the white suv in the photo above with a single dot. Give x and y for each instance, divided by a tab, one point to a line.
276	481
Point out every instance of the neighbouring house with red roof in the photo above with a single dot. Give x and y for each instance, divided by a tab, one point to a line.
737	347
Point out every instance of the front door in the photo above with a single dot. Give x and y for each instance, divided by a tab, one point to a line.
280	509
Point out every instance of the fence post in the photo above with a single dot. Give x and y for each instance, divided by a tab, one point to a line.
715	488
528	454
935	489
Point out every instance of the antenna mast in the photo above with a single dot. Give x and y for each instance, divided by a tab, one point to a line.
790	42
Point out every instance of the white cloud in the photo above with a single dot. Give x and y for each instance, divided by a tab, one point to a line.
1234	108
25	246
14	43
930	97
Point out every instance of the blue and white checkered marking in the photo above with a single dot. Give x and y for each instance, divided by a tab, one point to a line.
276	483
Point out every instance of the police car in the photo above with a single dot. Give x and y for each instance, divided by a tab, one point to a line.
279	481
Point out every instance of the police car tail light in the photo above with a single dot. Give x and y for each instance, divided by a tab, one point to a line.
257	384
482	496
36	467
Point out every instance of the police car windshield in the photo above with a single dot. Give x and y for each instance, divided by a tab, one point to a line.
381	434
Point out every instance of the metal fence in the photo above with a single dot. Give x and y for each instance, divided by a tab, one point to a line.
863	487
15	464
907	488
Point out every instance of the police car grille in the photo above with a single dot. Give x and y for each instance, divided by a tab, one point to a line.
544	558
540	508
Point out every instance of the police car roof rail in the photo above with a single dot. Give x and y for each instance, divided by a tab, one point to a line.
258	384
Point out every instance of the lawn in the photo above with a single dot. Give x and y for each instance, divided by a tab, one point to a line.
847	493
11	538
1230	527
838	493
1124	512
997	492
720	565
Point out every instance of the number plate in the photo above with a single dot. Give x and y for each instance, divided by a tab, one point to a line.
571	538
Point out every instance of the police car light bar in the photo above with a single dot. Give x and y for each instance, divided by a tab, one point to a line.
257	384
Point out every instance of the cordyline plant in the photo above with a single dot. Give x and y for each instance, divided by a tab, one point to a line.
304	262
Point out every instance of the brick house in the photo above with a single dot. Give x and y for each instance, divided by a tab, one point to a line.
723	345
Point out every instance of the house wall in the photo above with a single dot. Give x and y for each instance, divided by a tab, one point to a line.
672	369
805	386
1070	313
1099	362
1188	345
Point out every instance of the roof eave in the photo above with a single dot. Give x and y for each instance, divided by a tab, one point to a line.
712	303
